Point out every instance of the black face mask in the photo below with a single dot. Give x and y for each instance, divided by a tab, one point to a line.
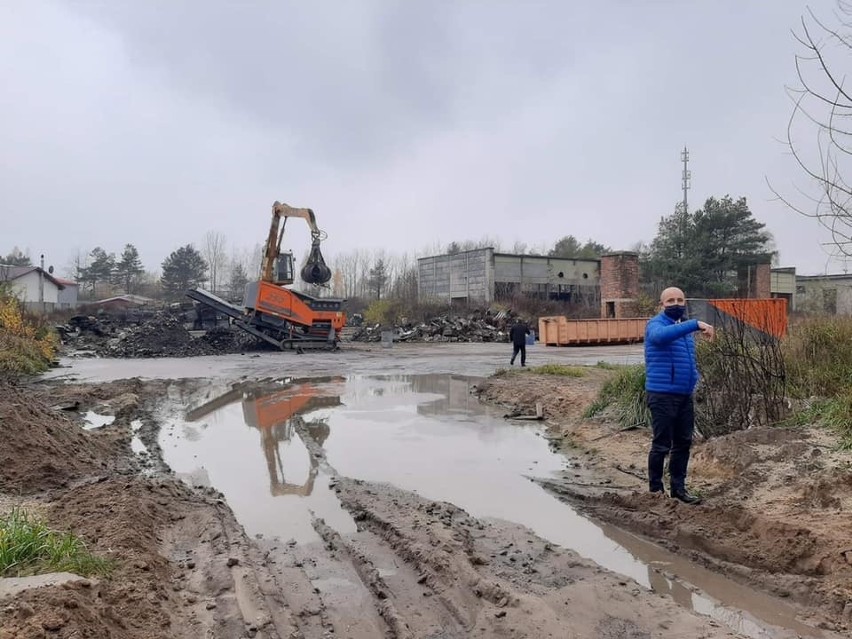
675	312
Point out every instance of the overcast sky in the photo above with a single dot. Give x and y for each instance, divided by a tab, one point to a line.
402	124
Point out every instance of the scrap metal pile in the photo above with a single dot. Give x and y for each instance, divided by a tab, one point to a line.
167	333
163	335
480	326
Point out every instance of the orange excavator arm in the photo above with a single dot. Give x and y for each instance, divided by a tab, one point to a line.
273	241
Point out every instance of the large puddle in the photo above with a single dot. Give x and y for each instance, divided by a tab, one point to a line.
429	435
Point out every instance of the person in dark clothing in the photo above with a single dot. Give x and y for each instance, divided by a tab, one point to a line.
670	378
518	336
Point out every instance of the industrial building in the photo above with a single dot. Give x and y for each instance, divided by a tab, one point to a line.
612	282
485	275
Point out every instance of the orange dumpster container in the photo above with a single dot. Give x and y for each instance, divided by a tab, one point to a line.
558	330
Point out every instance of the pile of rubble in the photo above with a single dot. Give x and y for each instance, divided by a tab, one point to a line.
163	335
476	327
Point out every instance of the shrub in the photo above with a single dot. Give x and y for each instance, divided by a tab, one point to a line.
743	381
623	395
818	355
385	312
27	344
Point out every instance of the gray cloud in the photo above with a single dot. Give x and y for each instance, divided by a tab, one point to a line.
401	123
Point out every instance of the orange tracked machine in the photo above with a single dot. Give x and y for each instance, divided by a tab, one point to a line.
275	313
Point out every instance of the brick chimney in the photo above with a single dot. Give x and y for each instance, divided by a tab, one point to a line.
619	284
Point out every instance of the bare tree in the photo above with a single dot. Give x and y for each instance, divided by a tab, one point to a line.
469	245
365	263
404	284
345	267
822	108
76	267
213	250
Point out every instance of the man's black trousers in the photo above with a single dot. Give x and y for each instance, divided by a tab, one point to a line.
522	349
672	420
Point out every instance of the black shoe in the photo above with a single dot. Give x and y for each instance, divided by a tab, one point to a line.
686	497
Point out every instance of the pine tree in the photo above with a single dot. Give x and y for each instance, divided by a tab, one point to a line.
703	252
182	270
129	269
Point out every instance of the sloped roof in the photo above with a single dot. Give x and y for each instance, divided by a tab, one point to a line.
133	299
9	273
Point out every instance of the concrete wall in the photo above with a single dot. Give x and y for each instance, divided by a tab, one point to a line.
483	275
47	307
545	277
532	271
829	294
26	288
67	297
467	275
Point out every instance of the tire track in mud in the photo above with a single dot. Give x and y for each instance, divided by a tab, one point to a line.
496	579
426	566
415	581
370	577
430	557
223	577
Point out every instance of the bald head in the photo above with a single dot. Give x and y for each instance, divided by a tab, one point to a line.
672	296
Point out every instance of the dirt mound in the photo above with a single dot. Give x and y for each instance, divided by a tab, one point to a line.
145	596
828	491
42	449
117	519
740	450
520	391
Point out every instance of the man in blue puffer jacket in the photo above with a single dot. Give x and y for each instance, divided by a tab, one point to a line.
670	378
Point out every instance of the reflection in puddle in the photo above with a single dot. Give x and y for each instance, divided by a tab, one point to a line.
430	435
277	414
93	420
274	492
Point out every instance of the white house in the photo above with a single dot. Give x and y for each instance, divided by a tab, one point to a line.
35	287
67	296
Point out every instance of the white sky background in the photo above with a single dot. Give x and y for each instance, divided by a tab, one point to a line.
402	124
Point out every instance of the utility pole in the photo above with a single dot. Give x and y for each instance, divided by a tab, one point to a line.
683	219
41	285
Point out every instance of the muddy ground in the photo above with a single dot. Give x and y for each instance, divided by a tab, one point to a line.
184	567
774	518
778	501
